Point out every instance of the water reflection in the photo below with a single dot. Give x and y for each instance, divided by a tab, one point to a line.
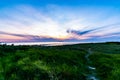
43	43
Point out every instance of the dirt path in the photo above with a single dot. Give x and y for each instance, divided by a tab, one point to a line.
92	70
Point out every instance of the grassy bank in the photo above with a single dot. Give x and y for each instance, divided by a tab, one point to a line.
108	65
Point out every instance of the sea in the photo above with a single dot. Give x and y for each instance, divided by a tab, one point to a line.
42	43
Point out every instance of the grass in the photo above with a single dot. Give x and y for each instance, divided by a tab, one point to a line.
41	63
108	66
59	62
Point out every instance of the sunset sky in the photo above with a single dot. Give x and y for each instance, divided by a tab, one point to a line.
59	20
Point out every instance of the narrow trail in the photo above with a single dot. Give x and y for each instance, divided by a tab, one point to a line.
92	75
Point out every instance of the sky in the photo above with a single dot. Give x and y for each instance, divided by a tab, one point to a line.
59	20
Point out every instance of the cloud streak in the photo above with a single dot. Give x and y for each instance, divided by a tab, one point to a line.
28	38
94	29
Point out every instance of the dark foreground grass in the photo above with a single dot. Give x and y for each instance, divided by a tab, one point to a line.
59	62
41	63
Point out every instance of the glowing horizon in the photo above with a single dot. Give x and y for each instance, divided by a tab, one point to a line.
55	21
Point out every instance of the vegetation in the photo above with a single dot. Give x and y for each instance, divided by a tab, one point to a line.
59	62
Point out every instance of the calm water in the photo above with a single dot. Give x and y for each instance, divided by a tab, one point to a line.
44	43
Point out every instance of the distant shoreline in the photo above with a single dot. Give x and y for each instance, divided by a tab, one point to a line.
42	43
50	43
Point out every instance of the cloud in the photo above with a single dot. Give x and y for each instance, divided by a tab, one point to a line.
94	29
101	33
27	38
27	23
79	32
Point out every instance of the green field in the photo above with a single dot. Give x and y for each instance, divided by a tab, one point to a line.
59	62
